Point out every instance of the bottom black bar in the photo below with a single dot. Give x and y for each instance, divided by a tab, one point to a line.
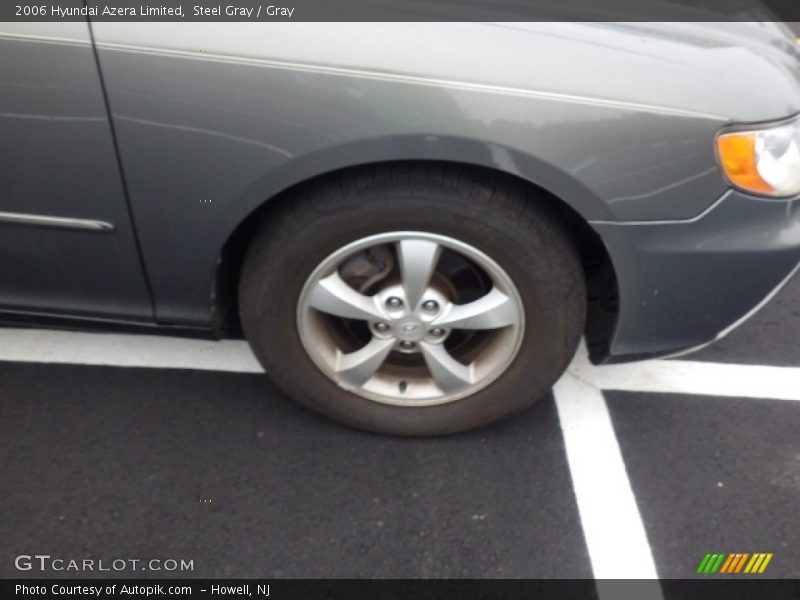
388	589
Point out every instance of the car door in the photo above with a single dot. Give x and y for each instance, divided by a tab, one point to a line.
67	244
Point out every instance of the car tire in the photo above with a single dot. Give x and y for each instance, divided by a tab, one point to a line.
505	236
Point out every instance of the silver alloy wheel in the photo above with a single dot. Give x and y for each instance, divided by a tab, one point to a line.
410	315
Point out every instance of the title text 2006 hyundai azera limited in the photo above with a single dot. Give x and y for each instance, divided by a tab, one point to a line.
412	224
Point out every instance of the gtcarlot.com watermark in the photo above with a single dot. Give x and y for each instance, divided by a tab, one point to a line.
47	563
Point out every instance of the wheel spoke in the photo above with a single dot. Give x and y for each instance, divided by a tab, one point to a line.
334	297
450	375
418	260
357	367
492	311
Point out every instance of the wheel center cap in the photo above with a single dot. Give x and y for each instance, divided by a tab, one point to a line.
409	330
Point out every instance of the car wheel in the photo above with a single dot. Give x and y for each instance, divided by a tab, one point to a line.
413	300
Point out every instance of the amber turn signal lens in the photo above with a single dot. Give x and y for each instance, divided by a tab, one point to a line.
739	159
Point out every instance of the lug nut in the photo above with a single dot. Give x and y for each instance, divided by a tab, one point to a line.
381	327
407	345
437	332
430	306
394	302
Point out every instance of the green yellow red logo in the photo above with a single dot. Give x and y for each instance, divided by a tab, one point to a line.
735	563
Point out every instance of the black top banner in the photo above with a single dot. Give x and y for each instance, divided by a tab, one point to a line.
399	10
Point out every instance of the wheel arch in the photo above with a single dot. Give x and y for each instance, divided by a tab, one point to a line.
599	271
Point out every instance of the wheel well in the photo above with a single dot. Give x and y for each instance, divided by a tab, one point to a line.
601	280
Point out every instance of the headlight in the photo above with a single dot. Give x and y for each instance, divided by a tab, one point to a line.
765	160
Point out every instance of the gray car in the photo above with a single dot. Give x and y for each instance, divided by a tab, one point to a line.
413	224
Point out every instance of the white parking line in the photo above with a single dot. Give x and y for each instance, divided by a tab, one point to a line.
124	350
609	514
161	352
687	377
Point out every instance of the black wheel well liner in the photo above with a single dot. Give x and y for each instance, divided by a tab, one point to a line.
601	280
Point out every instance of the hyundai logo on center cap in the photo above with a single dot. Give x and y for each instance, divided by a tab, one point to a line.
411	330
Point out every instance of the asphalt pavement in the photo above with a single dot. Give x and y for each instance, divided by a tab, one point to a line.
217	466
